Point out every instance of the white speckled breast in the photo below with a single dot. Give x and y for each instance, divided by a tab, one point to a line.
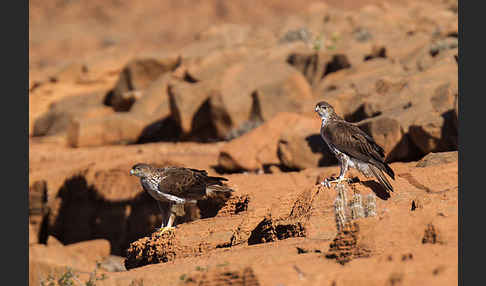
152	187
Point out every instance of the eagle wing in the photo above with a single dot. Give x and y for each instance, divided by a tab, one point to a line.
354	142
187	183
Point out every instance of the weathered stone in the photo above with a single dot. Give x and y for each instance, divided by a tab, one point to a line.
215	62
61	114
387	133
186	99
316	65
136	76
258	147
434	131
279	88
154	101
300	145
109	130
438	158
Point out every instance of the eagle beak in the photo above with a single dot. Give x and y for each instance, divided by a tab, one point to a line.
316	109
132	172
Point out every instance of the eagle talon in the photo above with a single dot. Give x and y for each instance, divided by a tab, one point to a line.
165	229
329	181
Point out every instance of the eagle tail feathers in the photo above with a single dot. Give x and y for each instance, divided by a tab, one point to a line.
383	167
380	177
217	179
389	171
217	190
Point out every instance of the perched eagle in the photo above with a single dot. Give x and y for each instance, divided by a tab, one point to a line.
177	185
352	147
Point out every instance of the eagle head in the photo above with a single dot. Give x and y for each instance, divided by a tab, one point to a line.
324	109
141	170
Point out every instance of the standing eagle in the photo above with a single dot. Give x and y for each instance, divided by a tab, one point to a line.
352	147
177	185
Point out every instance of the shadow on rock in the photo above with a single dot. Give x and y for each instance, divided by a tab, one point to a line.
317	145
85	215
377	188
449	132
161	130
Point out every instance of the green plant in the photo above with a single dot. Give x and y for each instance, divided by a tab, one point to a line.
334	40
226	263
183	277
66	279
199	268
318	42
50	281
70	278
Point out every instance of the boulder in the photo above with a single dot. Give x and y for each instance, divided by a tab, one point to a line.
438	158
426	132
38	198
348	89
346	103
434	130
300	145
316	65
387	132
149	120
186	103
110	130
53	241
214	62
154	101
421	177
38	212
257	148
136	76
61	114
277	86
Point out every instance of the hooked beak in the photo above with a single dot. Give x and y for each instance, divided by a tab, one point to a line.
132	172
316	109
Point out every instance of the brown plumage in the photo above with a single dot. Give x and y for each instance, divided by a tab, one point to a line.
178	185
352	146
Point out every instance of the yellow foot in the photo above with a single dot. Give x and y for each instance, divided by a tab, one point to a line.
165	229
328	182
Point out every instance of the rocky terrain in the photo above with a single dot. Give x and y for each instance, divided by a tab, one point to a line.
230	87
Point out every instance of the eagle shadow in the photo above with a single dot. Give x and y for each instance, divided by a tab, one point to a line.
377	188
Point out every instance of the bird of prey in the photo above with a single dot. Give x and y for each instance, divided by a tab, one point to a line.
352	147
177	185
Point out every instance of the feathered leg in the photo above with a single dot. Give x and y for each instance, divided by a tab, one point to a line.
163	213
343	163
170	221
